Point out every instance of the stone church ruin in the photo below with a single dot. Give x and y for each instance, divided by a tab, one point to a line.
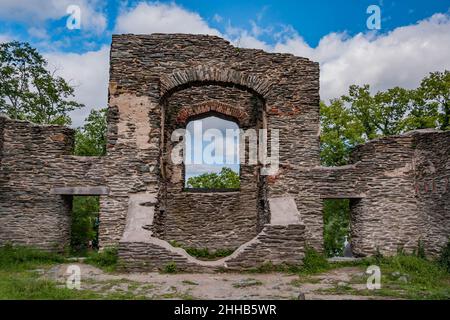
398	185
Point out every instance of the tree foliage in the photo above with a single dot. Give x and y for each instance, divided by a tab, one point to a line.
226	179
336	225
360	116
90	140
28	91
431	103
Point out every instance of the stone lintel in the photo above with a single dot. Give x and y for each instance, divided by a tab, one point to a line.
81	191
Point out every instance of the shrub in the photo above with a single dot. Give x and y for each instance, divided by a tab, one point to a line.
106	259
207	255
444	258
170	268
420	251
314	262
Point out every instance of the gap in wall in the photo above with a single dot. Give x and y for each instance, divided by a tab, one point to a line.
336	226
85	223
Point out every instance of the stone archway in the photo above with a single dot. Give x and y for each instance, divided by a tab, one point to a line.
207	74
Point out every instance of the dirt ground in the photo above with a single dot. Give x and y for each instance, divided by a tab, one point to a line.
219	285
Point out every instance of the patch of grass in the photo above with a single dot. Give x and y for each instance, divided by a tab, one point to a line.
18	258
425	279
205	253
171	267
267	267
305	279
247	283
190	283
105	260
176	295
27	285
314	262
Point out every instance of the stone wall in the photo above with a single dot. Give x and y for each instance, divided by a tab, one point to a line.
28	213
386	218
431	166
169	75
34	160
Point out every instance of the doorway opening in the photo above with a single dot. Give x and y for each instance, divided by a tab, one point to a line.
336	227
85	224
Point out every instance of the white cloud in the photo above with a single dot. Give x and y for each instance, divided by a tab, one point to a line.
39	33
400	58
34	13
217	18
161	18
5	38
88	73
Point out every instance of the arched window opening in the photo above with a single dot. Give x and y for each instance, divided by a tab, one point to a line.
212	155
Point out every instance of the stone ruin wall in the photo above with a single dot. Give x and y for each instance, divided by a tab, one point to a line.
156	83
35	159
431	165
386	218
170	71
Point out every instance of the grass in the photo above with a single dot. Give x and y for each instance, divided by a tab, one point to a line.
105	260
426	279
170	268
247	283
205	253
18	258
189	283
21	269
313	263
26	285
20	277
304	280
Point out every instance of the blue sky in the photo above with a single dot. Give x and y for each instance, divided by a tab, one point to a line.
311	19
414	38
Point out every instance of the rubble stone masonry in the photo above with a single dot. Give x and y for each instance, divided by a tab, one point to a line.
398	186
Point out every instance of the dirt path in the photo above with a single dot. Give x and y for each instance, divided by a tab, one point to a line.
217	286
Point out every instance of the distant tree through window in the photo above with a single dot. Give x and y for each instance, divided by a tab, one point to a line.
212	154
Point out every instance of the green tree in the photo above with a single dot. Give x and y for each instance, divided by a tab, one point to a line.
431	103
336	225
381	114
390	109
361	105
28	91
90	140
84	223
226	179
340	132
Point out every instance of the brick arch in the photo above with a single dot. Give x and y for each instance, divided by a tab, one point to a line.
208	74
211	106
